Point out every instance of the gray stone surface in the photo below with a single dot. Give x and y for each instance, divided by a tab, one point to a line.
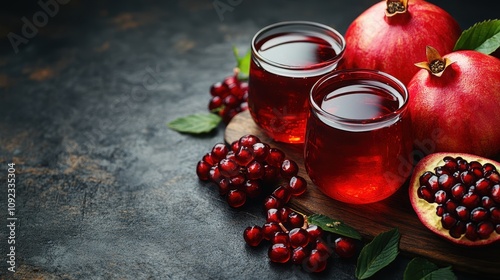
104	189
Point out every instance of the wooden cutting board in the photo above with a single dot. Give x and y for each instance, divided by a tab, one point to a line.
372	219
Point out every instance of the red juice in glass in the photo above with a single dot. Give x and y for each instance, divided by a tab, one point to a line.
287	59
358	143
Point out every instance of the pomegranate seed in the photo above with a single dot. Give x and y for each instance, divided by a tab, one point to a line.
282	193
270	173
298	237
224	186
483	186
450	206
219	151
272	202
244	105
471	231
493	176
345	247
458	191
214	174
424	193
448	221
253	235
440	197
299	254
295	220
462	164
283	213
488	167
470	200
238	180
446	181
314	232
208	159
281	237
478	172
269	229
289	168
279	253
231	101
297	185
462	213
219	89
249	140
450	163
457	230
432	184
253	188
495	193
497	228
440	210
235	146
479	214
487	202
229	168
215	102
273	216
244	155
475	164
485	229
203	170
467	178
236	198
495	214
320	245
255	170
275	157
260	151
316	262
425	177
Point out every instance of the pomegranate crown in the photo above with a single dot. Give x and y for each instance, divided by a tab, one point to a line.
435	63
396	7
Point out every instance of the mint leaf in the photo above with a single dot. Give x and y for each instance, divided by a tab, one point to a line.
196	123
243	63
377	254
422	269
328	224
483	37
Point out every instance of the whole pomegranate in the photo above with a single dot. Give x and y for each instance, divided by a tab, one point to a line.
389	36
454	103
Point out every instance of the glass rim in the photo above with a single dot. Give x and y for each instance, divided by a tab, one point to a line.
320	26
397	85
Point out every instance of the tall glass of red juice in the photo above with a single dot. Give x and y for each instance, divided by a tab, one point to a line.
358	144
287	59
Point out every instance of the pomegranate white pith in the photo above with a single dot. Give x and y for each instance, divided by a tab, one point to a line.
426	211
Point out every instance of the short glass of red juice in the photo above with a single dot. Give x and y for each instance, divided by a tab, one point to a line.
358	143
287	59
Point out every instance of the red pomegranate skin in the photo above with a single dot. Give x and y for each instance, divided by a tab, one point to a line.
459	111
394	44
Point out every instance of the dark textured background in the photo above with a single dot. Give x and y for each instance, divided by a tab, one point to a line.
104	189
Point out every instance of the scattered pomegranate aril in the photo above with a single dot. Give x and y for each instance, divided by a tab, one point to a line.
468	213
279	253
229	97
345	247
253	235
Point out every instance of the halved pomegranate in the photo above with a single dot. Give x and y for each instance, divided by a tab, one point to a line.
457	196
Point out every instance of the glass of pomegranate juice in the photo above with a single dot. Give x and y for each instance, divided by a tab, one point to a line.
287	59
358	140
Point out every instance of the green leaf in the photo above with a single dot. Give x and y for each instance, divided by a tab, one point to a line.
422	269
377	254
328	224
483	37
196	123
243	63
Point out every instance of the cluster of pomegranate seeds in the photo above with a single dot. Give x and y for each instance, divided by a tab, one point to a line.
249	168
229	97
293	240
467	195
